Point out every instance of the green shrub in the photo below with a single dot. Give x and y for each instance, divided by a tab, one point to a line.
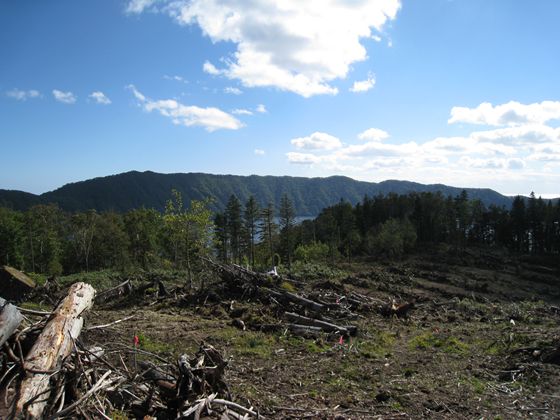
313	252
394	238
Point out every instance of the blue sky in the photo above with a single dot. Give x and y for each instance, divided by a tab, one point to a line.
464	93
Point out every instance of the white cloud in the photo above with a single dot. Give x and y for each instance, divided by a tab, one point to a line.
363	85
233	90
23	95
376	38
516	164
376	148
519	135
209	68
175	78
138	6
514	154
291	45
512	113
100	98
261	109
373	134
64	97
317	141
302	158
241	111
259	152
188	115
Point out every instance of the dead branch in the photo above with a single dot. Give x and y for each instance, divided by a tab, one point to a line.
53	345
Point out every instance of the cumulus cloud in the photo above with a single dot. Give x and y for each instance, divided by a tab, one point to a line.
261	109
317	141
23	95
233	90
373	134
363	85
259	152
64	97
210	68
296	46
512	113
100	98
512	153
188	115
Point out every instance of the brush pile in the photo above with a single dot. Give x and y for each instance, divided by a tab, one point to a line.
47	372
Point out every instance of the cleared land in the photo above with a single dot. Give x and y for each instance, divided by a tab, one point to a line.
479	341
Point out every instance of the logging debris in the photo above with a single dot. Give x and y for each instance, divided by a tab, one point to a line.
57	375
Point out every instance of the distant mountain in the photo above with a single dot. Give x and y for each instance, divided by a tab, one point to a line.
134	189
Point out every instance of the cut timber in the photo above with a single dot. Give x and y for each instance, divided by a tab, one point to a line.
52	346
122	289
10	318
291	297
14	285
304	330
323	325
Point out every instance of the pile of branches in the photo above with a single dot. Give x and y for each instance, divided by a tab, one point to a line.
47	372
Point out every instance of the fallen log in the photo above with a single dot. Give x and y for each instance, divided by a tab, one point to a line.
10	318
125	288
51	347
291	297
304	330
323	325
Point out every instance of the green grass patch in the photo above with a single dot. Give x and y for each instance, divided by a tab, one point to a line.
288	287
378	346
429	340
155	346
247	343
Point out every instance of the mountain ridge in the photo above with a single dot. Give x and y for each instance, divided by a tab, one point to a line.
134	189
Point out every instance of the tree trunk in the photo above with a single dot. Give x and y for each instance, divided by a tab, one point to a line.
10	318
323	325
53	345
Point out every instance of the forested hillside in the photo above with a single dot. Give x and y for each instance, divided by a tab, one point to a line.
131	190
49	240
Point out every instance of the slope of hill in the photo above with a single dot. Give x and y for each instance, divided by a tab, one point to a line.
134	189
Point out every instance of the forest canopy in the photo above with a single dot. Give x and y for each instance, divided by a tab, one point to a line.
45	239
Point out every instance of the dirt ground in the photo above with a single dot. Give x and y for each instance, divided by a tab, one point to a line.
474	345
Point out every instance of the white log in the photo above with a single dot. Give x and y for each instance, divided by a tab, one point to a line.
10	318
53	345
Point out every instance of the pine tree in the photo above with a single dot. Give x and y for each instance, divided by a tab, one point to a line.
287	222
235	227
268	229
251	218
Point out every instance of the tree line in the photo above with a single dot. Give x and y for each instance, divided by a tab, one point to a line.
45	239
394	224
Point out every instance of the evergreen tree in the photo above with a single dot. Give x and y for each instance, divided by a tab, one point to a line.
222	236
519	224
251	218
268	229
287	222
235	227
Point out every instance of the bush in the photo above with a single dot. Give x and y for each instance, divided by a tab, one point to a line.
313	252
395	237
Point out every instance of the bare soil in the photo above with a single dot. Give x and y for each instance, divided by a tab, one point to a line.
474	345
